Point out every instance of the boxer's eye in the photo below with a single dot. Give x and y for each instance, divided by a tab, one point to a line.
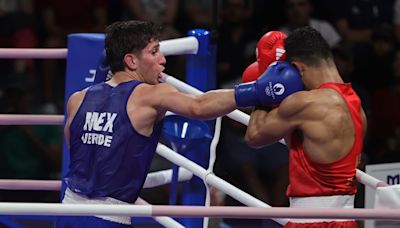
155	50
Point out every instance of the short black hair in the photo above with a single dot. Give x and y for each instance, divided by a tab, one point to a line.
307	45
128	37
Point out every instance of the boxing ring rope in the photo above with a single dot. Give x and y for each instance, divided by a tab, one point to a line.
369	180
153	179
178	46
213	156
33	53
45	185
195	211
213	180
16	119
163	220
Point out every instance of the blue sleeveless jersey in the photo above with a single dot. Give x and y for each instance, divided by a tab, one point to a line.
108	157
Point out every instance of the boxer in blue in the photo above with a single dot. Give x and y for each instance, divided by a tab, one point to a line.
113	127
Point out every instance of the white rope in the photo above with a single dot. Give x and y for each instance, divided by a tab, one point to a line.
211	162
153	179
211	179
214	144
194	211
74	209
33	53
179	46
368	180
163	220
164	177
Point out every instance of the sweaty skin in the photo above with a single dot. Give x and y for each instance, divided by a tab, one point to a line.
150	100
320	115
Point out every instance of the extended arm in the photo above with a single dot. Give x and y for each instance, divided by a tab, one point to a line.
210	105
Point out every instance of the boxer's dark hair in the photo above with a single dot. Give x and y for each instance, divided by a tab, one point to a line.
307	45
128	37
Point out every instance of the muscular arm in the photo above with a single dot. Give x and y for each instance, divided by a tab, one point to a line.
207	106
266	127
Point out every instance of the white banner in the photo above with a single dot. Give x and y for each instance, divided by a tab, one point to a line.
388	173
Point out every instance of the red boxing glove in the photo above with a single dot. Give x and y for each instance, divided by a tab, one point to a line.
252	72
271	48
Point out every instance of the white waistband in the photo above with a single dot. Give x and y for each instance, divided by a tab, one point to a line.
71	197
337	201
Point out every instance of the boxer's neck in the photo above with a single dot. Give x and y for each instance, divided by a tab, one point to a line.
324	73
124	76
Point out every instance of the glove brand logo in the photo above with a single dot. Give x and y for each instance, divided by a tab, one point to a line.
268	90
279	53
278	89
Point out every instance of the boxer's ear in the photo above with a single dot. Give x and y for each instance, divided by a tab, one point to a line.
300	66
130	61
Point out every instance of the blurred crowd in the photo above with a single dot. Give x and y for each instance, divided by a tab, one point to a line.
364	36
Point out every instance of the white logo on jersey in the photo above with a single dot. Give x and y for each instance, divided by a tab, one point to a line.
95	122
278	89
279	53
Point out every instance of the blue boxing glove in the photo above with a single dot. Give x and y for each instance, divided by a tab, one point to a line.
279	81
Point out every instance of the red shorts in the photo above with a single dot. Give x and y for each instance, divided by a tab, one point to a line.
344	224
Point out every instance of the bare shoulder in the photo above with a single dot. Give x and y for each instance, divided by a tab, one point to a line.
75	100
309	103
77	95
161	88
152	94
165	88
296	103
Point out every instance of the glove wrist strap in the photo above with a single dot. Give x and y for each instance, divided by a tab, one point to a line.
246	95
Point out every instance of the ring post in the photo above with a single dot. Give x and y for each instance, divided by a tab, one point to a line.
84	51
200	73
200	67
185	135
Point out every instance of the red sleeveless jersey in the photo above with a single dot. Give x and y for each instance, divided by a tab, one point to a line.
310	178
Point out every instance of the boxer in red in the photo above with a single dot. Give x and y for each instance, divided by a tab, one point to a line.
324	127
